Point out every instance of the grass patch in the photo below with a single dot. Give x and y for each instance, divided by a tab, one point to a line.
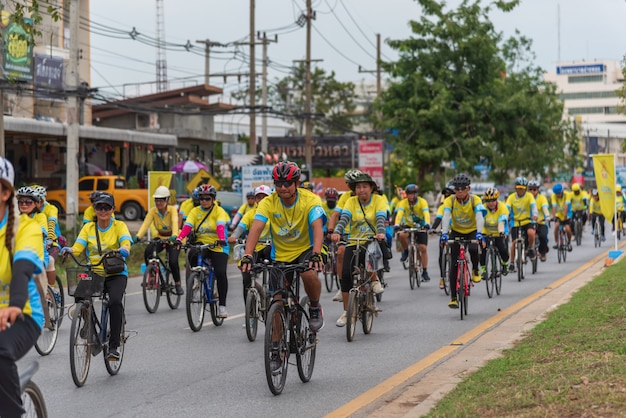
571	364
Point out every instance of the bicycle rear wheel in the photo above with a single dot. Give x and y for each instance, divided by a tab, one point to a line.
447	260
328	275
579	232
535	259
60	299
173	300
352	314
80	347
520	256
460	286
50	332
597	239
195	301
381	279
276	348
306	344
214	305
113	366
412	267
367	310
151	288
417	262
33	402
467	282
490	270
252	313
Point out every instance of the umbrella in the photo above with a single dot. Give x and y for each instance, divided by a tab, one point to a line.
188	167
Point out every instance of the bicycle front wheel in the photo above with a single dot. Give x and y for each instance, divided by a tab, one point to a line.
113	366
49	333
276	348
367	310
328	275
252	313
490	271
33	402
306	344
80	347
60	296
412	267
195	301
520	259
417	262
214	305
151	288
579	232
447	260
173	300
352	314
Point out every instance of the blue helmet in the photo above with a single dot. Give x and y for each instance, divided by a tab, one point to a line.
557	188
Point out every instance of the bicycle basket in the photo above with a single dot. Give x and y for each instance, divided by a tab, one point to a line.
373	257
238	251
82	283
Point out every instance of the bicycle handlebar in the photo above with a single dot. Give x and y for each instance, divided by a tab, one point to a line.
89	265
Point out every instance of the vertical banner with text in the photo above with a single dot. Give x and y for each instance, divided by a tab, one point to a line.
604	171
156	179
371	159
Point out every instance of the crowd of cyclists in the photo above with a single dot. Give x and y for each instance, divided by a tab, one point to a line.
286	223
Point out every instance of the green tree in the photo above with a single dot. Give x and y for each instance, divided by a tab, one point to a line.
23	9
459	93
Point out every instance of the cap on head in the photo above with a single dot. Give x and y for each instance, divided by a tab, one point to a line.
7	174
575	187
618	188
105	198
263	189
161	192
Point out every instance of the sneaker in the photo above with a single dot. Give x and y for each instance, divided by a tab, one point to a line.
338	296
316	318
377	287
511	268
113	355
505	268
441	284
453	304
341	322
556	247
530	253
178	290
425	276
221	312
405	255
476	277
542	257
569	247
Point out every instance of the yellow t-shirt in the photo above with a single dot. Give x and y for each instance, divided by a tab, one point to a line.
245	208
290	226
411	216
542	202
562	205
578	200
493	218
207	231
359	217
521	208
463	215
246	224
328	211
166	225
619	202
113	237
595	206
185	208
29	247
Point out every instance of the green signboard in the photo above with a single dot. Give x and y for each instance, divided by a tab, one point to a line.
17	50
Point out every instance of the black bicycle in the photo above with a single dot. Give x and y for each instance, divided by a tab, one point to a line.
287	327
493	267
89	334
157	279
32	399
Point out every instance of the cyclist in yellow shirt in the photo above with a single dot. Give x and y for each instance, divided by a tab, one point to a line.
580	203
21	312
445	193
463	217
186	206
523	212
561	214
595	211
414	213
620	203
543	213
296	221
250	205
496	225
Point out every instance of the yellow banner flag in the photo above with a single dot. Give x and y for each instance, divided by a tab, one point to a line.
604	171
156	179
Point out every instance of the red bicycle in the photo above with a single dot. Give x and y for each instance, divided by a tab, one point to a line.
463	274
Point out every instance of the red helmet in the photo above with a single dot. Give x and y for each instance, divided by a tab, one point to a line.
286	171
204	189
331	193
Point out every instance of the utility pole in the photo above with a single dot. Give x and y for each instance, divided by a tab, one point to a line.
207	49
307	105
264	41
72	117
252	139
378	74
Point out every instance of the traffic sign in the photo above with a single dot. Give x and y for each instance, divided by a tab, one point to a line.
202	177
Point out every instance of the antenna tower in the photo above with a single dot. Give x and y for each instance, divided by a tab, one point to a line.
161	61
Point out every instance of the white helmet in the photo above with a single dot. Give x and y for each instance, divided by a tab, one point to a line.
161	192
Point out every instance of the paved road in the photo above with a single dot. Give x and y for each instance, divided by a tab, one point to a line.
169	370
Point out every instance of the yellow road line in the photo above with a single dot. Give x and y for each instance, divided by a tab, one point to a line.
399	378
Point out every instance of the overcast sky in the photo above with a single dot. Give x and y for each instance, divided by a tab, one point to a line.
589	29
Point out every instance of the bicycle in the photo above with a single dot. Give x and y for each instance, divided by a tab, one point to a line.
201	290
619	224
597	232
32	398
561	244
414	259
463	275
493	268
578	229
287	327
50	331
89	335
257	299
361	303
157	279
330	268
446	263
521	258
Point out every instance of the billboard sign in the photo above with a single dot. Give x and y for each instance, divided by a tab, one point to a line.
580	69
371	159
253	176
48	74
17	49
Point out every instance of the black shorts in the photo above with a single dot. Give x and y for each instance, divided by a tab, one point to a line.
515	230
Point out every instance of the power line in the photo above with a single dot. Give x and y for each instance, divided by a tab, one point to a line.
349	34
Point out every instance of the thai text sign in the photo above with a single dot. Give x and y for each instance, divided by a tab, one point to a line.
333	151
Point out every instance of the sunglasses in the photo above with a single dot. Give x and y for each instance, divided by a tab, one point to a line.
103	207
25	202
201	198
533	189
160	199
490	200
286	183
460	189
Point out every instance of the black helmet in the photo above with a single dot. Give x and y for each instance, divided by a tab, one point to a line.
461	181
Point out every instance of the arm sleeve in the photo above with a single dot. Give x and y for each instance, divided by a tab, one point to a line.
237	232
341	225
186	230
220	232
380	224
480	221
23	270
436	223
445	222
